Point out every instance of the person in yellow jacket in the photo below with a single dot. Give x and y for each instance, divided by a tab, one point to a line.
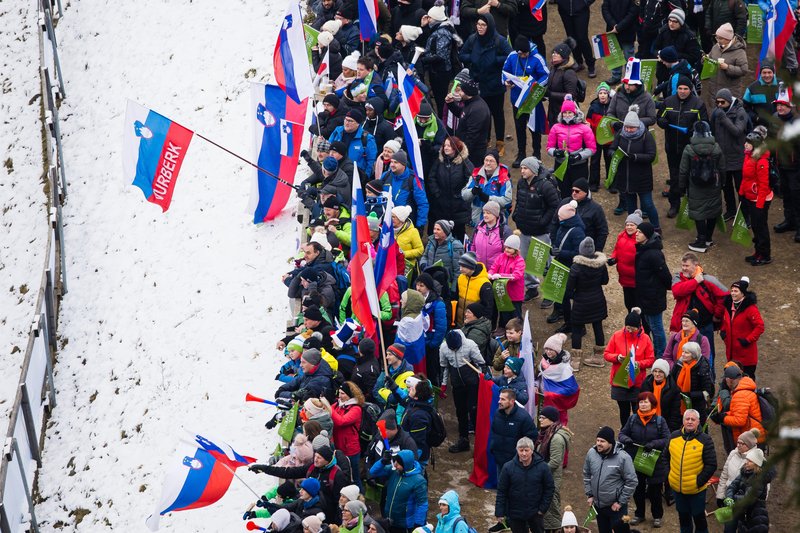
407	237
473	286
692	461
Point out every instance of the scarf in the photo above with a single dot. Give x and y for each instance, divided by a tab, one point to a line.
351	401
684	339
638	133
685	377
431	128
544	438
646	416
657	389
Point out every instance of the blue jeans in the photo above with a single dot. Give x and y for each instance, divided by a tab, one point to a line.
355	468
657	332
627	49
707	331
648	206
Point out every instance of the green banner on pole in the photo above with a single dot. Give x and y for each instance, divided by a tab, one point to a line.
621	377
605	131
755	24
538	254
555	283
613	167
607	44
721	226
648	73
710	68
740	234
501	298
591	516
562	168
311	40
286	429
533	99
682	221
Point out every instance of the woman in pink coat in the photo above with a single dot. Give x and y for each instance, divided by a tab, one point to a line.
571	139
510	264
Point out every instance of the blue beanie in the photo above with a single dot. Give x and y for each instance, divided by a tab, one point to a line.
330	164
311	486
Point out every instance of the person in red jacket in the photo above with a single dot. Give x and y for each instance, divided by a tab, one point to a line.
624	256
630	339
743	412
346	415
742	326
756	194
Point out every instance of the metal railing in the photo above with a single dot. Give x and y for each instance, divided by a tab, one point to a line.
36	395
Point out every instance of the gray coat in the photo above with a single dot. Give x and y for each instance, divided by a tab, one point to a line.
609	478
730	129
449	252
618	107
704	202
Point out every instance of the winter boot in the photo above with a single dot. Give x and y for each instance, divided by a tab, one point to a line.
501	148
596	360
575	360
461	446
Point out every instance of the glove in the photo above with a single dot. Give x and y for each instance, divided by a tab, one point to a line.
575	157
392	385
720	503
443	392
284	404
272	507
262	502
272	422
483	196
248	515
728	502
723	334
386	457
633	157
611	261
305	155
558	153
258	469
744	342
718	417
476	191
616	126
648	448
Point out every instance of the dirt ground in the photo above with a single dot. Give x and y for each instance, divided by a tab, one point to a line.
776	285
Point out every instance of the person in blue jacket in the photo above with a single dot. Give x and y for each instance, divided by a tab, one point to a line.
566	237
449	519
407	188
513	379
436	312
406	504
361	147
348	35
525	62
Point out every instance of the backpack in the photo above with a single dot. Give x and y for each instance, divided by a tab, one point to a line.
768	404
470	529
342	278
369	424
437	432
547	175
774	174
702	171
580	92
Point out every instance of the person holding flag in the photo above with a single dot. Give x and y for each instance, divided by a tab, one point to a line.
630	353
438	59
406	188
571	142
621	18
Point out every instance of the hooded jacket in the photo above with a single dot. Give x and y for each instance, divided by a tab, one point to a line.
474	124
406	492
563	81
653	278
488	243
609	478
471	289
436	312
450	522
480	330
501	15
595	224
498	186
733	77
587	275
318	382
575	137
534	481
755	177
408	189
417	419
569	234
744	412
536	204
438	59
485	55
512	267
705	203
448	252
702	384
518	384
378	127
361	149
346	425
447	177
625	254
453	363
532	66
742	324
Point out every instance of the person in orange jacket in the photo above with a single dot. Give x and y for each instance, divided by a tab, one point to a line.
744	411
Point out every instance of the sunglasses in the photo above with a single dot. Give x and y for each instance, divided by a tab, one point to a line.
721	102
576	190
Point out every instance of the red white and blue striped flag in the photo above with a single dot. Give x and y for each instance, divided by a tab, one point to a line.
386	255
536	8
367	19
290	59
364	295
779	23
410	99
484	470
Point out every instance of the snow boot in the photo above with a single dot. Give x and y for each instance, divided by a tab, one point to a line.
575	360
596	360
501	148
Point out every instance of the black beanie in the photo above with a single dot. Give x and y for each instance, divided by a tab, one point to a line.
367	347
454	339
426	279
522	44
634	318
607	434
331	99
477	309
647	229
385	50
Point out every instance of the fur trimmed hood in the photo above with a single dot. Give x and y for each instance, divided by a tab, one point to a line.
597	261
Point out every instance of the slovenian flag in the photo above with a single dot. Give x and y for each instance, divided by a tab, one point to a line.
536	8
324	70
528	367
367	19
277	137
386	255
153	149
411	334
632	367
290	59
484	470
364	296
559	386
779	23
538	119
600	46
200	475
410	99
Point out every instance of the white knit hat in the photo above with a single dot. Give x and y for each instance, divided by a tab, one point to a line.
392	145
351	61
437	13
410	33
322	240
324	38
350	492
569	518
402	212
512	241
332	26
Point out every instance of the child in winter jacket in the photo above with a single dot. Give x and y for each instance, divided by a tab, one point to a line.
510	264
291	368
512	378
597	110
756	194
509	346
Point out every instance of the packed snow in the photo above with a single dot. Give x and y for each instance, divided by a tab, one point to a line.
171	318
23	203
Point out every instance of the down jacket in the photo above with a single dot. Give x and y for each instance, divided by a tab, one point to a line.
406	503
635	172
536	204
621	342
485	55
653	279
448	176
594	220
609	478
587	275
730	130
512	267
569	235
692	461
744	412
625	254
448	253
742	325
655	433
507	429
755	178
498	187
488	243
534	481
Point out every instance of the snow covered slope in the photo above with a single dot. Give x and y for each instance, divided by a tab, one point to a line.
171	318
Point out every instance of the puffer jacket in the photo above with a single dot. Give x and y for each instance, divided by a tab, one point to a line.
675	112
587	275
450	522
313	384
487	243
498	186
518	384
484	55
623	100
448	253
710	294
534	481
655	433
474	125
512	267
507	429
346	425
563	81
755	177
410	243
692	461
730	471
685	42
733	77
436	312
480	331
568	239
576	137
625	254
705	203
407	189
653	278
742	324
744	413
609	478
594	220
416	420
755	517
448	176
701	384
379	127
621	342
455	371
437	59
536	204
670	403
406	492
730	130
635	172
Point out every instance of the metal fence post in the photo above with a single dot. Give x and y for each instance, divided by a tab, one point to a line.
27	415
51	387
15	448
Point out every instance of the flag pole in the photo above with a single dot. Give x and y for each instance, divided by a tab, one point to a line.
383	348
240	479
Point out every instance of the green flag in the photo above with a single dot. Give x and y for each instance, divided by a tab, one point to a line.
645	462
683	221
605	133
621	378
311	40
740	234
538	254
721	226
724	514
612	54
562	168
286	429
501	298
614	166
555	283
687	402
534	97
710	68
647	73
755	24
591	516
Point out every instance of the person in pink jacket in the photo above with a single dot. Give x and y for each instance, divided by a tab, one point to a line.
490	234
571	139
510	264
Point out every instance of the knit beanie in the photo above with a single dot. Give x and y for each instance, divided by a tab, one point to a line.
400	157
684	81
356	507
725	94
693	315
678	14
607	434
355	114
446	225
702	129
332	26
634	318
350	492
410	33
564	49
320	441
351	61
757	136
326	453
477	309
551	413
567	210
389	418
425	110
513	242
313	313
325	38
470	87
586	247
375	187
569	104
668	54
339	147
330	163
532	163
311	408
427	280
367	347
755	455
287	490
522	44
515	364
661	364
310	485
569	518
312	523
397	350
582	184
295	345
492	207
392	145
494	154
603	87
385	50
647	229
732	371
402	212
635	218
556	342
750	438
373	222
437	12
632	118
468	260
742	284
454	339
333	100
281	519
331	203
725	31
312	356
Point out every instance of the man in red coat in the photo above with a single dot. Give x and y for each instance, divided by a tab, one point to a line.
694	289
742	326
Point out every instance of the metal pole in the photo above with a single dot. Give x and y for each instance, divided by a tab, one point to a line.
15	449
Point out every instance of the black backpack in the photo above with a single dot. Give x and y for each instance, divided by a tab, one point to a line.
437	432
768	404
702	171
369	424
580	92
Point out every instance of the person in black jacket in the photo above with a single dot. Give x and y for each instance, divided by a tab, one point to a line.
449	174
668	399
376	125
474	119
692	375
563	78
525	24
676	33
653	280
529	475
594	218
366	371
418	414
332	115
621	17
575	17
316	380
397	437
587	275
431	134
510	423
